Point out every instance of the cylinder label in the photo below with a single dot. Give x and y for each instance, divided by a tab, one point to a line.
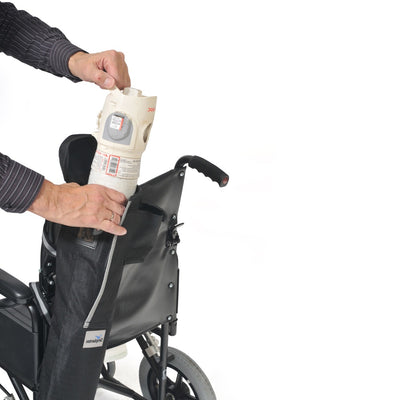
116	122
113	165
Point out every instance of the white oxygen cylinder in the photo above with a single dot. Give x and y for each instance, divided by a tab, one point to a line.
122	133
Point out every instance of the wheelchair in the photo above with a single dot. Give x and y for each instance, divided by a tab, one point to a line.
60	337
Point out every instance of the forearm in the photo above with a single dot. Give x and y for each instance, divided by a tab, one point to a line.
33	42
19	185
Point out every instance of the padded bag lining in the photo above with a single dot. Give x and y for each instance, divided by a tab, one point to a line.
76	155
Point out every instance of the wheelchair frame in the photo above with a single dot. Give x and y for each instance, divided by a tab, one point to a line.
24	313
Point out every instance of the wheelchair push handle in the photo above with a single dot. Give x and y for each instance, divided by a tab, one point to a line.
205	167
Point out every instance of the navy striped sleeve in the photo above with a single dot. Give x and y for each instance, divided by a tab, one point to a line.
19	185
35	43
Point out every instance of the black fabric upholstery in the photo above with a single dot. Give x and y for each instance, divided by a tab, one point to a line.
119	285
13	289
76	154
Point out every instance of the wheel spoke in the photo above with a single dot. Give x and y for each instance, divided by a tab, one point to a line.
178	381
170	382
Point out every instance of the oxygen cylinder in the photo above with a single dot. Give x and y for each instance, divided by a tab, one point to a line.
123	129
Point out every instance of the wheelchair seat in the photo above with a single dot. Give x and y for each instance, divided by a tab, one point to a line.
21	336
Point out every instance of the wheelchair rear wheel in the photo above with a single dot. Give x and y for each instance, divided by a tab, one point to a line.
186	381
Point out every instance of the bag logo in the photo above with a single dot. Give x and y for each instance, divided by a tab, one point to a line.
94	339
87	238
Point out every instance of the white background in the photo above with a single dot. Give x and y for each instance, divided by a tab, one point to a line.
289	275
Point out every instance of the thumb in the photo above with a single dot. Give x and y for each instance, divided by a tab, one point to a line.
105	81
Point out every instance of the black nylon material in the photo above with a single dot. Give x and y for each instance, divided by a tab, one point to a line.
68	371
135	297
145	298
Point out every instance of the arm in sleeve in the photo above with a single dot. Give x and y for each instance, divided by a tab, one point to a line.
33	42
19	185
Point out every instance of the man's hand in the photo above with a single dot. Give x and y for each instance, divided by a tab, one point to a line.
106	69
90	206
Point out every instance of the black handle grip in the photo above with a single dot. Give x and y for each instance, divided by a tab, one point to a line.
205	167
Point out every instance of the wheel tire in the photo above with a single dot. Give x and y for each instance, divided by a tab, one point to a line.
190	382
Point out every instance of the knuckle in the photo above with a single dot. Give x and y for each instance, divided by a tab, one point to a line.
117	56
113	53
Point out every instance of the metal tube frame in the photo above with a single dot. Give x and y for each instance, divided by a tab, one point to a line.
158	365
162	389
18	388
160	369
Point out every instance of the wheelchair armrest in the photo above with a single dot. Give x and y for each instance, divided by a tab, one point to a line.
13	289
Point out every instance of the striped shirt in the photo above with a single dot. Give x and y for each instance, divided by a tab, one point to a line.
33	42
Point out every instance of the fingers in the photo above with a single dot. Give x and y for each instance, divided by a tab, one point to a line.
104	80
114	229
114	212
111	209
111	224
114	195
113	63
114	206
107	69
